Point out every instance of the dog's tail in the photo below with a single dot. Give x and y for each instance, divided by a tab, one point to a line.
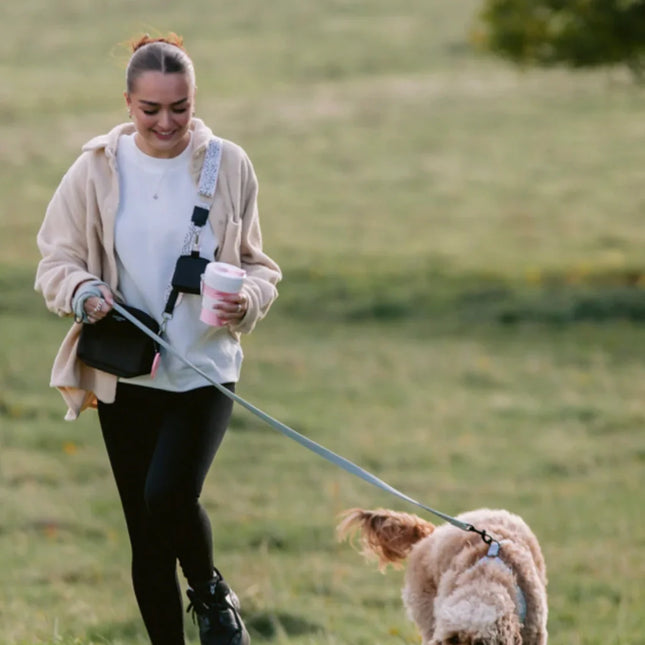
387	535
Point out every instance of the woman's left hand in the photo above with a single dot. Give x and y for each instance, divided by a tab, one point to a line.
232	308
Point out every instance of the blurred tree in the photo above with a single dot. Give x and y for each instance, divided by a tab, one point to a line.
580	33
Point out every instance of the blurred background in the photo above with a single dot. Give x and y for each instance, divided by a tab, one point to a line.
454	191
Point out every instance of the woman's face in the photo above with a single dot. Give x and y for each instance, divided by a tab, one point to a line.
161	106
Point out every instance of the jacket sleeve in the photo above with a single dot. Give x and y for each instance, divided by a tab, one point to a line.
63	241
262	273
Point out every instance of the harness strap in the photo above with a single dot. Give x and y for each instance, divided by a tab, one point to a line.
314	447
520	598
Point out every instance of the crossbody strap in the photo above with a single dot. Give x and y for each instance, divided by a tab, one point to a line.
206	188
210	169
207	185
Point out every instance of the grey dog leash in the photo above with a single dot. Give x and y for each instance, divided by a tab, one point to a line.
314	447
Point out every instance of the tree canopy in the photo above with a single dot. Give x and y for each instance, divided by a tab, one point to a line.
579	33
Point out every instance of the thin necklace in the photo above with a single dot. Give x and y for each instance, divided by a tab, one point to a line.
155	194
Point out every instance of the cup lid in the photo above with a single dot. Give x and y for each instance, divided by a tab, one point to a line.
222	276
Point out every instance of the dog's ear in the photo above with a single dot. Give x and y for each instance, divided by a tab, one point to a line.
388	535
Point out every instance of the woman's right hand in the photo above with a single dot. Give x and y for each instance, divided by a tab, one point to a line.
97	308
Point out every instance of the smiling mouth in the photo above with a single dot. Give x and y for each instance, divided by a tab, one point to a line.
164	135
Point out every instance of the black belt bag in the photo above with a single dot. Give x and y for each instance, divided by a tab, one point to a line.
115	345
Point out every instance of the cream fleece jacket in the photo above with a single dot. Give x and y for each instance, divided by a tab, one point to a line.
76	241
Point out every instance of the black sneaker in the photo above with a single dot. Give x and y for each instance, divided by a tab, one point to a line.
217	609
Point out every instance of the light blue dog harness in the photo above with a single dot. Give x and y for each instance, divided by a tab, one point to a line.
520	599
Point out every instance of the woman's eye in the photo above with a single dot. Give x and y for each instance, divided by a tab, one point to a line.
175	111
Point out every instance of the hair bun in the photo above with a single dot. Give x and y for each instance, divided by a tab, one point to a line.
171	39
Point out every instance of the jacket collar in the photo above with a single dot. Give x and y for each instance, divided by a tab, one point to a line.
202	134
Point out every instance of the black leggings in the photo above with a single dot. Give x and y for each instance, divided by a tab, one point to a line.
161	445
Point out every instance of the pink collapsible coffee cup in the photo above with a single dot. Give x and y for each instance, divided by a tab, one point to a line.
219	281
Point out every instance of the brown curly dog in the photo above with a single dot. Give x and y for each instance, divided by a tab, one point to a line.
457	590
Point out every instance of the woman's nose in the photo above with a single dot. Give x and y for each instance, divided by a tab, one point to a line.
165	119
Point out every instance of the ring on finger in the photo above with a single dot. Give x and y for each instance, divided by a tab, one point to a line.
98	307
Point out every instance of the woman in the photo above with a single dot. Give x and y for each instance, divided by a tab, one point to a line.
113	231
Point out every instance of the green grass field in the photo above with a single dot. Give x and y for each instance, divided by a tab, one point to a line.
461	313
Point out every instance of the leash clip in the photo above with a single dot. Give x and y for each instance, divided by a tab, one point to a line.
493	544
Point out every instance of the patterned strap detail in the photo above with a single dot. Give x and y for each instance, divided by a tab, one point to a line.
210	169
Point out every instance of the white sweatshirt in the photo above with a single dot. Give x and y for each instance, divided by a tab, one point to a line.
157	197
